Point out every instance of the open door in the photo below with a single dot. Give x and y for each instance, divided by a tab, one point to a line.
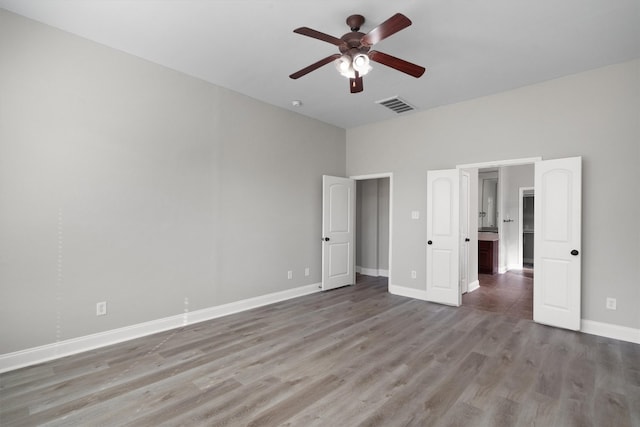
443	200
464	232
338	220
557	215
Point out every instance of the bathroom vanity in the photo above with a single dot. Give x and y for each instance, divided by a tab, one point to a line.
487	253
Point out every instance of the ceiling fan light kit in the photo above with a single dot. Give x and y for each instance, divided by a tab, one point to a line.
354	59
348	66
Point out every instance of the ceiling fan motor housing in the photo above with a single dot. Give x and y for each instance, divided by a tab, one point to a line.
355	22
352	44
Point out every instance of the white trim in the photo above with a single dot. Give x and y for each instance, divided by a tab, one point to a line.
31	356
375	272
408	292
502	246
474	285
390	176
610	330
371	176
499	163
368	271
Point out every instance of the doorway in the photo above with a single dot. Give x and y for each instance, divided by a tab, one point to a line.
339	229
557	220
373	228
503	285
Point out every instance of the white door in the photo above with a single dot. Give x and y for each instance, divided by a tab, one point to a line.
338	220
443	200
557	210
464	232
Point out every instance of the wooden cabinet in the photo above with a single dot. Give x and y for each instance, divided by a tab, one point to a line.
488	256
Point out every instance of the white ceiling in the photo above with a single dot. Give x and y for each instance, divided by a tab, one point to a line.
470	48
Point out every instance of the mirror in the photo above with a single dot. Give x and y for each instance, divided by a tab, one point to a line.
488	201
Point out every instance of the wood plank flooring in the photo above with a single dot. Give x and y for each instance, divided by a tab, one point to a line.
355	356
510	293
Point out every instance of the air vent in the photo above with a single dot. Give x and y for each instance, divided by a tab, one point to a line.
396	104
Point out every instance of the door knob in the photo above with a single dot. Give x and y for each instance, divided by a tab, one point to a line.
326	239
429	242
574	252
466	239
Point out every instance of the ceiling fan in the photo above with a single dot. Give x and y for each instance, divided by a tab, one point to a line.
355	55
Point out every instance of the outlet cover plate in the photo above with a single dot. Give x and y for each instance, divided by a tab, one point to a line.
101	308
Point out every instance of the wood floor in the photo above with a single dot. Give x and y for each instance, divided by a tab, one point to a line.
510	293
356	356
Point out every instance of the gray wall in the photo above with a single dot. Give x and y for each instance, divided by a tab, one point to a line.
372	224
592	114
126	182
513	177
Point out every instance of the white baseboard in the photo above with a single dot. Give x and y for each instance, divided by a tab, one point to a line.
606	330
473	286
367	271
609	330
408	292
31	356
375	272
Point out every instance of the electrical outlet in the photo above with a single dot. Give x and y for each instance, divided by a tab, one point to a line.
289	274
101	308
306	271
413	274
611	303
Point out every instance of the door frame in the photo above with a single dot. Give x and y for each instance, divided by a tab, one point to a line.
376	176
473	255
536	265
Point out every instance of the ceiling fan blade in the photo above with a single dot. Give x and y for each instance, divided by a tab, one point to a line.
397	63
306	31
355	84
389	27
315	66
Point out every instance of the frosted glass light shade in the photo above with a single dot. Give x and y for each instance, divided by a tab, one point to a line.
361	64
